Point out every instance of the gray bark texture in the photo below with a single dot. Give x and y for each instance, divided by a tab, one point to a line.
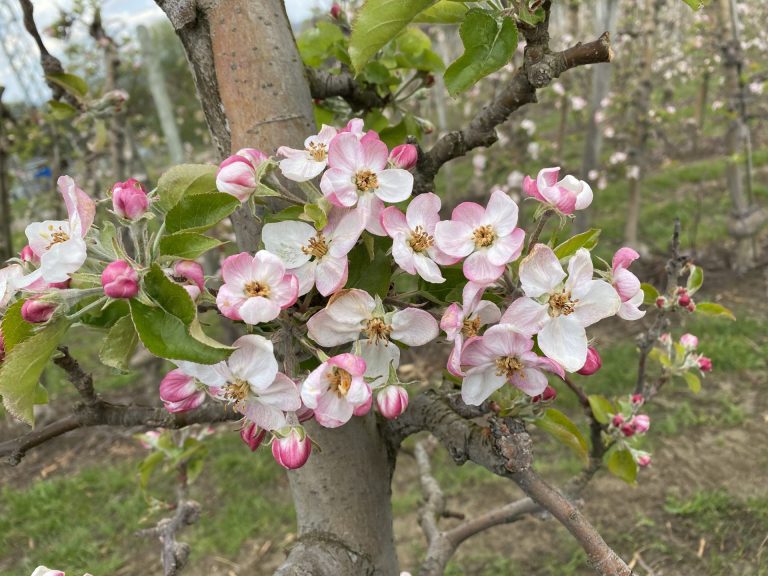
6	219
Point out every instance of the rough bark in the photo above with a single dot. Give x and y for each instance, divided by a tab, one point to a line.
6	219
254	93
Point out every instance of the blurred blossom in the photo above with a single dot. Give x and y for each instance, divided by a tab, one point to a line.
578	103
617	158
533	150
633	172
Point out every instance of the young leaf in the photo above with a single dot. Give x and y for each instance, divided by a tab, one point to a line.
693	381
73	84
695	280
444	12
169	295
188	245
316	44
378	22
650	294
166	336
21	370
601	408
712	309
561	427
185	179
623	465
586	240
61	110
198	212
488	45
371	275
119	345
15	328
695	4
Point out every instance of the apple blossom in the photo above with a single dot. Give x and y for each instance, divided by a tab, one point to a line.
404	156
236	176
638	399
28	255
37	311
250	380
129	199
355	126
43	571
548	395
120	280
358	177
627	285
592	364
252	435
488	237
565	196
413	242
60	244
363	409
254	156
190	275
641	423
557	308
179	392
392	401
9	276
303	165
255	288
502	355
291	449
316	257
689	341
460	322
335	388
643	459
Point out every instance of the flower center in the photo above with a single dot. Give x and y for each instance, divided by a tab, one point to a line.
470	327
484	236
560	303
57	237
420	240
340	381
508	365
377	329
237	390
253	289
366	180
317	246
318	151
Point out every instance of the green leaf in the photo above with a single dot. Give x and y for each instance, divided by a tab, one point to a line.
623	465
693	381
378	22
712	309
119	345
650	294
489	44
107	316
316	44
601	408
21	370
444	12
185	179
586	240
531	18
371	275
561	427
170	296
61	110
15	328
70	82
317	215
187	245
695	280
695	4
166	336
290	213
199	212
147	467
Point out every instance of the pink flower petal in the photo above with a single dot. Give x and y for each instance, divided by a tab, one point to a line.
478	268
424	211
375	154
501	213
454	238
346	153
469	213
506	248
393	221
540	271
479	383
331	274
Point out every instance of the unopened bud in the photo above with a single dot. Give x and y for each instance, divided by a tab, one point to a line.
593	363
179	392
335	11
661	301
28	255
641	423
129	200
644	460
689	341
404	156
292	450
190	275
120	280
638	399
252	435
548	395
37	311
236	176
684	300
392	401
617	420
705	364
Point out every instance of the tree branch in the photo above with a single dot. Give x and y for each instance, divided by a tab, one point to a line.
324	84
540	67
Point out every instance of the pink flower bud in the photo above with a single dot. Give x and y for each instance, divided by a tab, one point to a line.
689	341
364	408
190	275
661	302
292	451
335	11
617	420
593	363
120	280
179	392
684	300
691	306
665	338
392	401
236	176
548	395
37	311
252	435
254	156
304	413
28	255
644	460
404	156
129	200
628	430
149	439
43	571
641	423
638	400
705	364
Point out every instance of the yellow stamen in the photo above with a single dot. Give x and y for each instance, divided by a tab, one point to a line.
420	240
317	246
484	236
560	303
470	327
318	151
366	180
377	329
253	289
340	381
237	390
508	366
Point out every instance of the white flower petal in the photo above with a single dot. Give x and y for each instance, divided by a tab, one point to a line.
286	239
414	327
253	361
580	269
479	383
564	340
595	300
395	185
540	271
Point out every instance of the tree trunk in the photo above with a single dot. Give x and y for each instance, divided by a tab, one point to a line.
253	90
6	219
607	17
159	91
